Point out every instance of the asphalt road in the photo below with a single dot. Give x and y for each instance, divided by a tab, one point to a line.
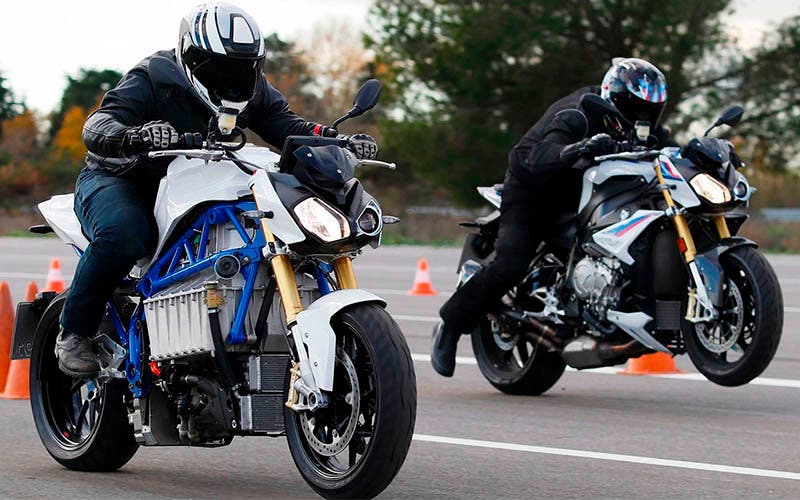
594	435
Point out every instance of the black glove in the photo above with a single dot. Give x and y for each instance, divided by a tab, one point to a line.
151	136
598	145
363	146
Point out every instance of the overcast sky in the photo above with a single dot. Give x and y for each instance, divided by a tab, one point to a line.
42	41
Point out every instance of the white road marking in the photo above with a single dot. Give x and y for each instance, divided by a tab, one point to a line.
394	291
612	370
423	319
613	457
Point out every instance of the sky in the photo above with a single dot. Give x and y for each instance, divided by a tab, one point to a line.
42	41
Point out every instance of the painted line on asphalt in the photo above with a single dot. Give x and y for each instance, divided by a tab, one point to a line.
611	370
612	457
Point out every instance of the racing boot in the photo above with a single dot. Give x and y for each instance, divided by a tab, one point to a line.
76	356
443	353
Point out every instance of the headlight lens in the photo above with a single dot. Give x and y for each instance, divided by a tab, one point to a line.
322	220
711	189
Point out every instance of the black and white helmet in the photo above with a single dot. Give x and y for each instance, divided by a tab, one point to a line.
221	51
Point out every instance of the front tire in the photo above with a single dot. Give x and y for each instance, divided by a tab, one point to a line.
514	364
83	424
374	362
740	347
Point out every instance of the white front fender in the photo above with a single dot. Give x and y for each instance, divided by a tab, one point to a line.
314	325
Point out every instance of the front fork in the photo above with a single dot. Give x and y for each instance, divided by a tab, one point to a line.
699	308
302	380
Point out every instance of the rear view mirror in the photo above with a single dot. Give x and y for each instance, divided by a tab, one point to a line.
367	96
366	99
731	116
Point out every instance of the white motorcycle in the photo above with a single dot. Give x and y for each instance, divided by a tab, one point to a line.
197	347
649	263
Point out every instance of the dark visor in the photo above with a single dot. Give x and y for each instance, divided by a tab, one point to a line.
225	77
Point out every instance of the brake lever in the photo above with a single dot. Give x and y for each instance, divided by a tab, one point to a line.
376	163
202	154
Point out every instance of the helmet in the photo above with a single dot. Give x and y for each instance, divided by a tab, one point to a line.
221	51
637	89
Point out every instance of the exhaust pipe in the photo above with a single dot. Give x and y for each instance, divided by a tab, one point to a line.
586	352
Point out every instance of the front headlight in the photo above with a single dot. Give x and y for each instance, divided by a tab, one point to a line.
322	220
711	189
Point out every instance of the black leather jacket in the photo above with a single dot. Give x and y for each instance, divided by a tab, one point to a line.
157	89
537	157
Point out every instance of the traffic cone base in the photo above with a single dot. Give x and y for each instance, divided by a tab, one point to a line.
18	383
651	364
422	280
6	327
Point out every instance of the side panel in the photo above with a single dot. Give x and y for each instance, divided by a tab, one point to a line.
318	336
59	213
618	237
612	168
282	224
682	192
190	182
491	195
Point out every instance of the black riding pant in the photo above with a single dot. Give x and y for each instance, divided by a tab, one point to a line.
527	213
116	214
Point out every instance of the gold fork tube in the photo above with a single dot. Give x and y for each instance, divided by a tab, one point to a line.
284	276
681	226
345	275
722	226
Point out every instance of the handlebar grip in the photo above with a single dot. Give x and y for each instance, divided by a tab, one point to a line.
190	140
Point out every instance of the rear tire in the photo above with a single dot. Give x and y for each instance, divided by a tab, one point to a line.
516	373
758	290
368	337
82	424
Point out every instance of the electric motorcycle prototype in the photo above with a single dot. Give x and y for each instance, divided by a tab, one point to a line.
650	263
197	347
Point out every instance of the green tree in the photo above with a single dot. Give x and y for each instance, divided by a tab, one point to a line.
471	77
84	90
9	105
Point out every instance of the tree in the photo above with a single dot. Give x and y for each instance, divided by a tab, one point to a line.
471	77
84	90
9	105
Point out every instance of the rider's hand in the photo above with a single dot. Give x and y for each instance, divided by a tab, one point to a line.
152	136
597	145
363	146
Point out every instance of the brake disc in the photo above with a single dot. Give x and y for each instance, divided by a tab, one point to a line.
309	422
712	335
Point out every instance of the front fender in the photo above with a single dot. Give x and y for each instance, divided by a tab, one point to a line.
314	326
708	263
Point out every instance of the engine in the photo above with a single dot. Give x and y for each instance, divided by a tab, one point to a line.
177	317
597	282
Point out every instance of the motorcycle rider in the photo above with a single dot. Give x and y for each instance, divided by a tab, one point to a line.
541	185
218	62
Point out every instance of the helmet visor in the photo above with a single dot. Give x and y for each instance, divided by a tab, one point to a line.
634	109
225	77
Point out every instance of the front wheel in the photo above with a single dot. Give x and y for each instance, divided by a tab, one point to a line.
355	446
82	423
737	347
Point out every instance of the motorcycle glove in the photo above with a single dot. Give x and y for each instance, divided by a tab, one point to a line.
151	136
597	145
363	146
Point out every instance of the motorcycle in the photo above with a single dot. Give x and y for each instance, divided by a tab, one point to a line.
651	262
246	321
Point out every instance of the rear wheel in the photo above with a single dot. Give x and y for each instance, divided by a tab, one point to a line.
737	347
355	446
82	423
514	363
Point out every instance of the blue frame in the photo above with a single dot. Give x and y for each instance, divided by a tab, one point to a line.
166	271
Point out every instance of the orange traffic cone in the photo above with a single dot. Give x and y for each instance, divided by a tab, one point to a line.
6	327
55	279
651	364
30	293
422	280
